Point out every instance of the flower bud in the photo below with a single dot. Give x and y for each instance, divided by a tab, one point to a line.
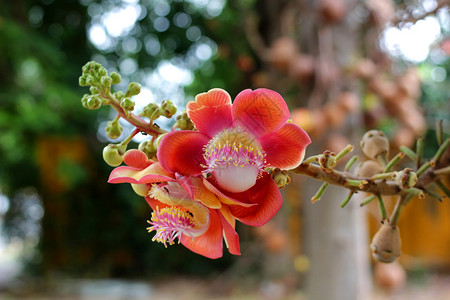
281	178
106	81
94	90
158	140
386	244
94	102
82	80
406	178
183	122
119	95
328	160
148	147
374	143
134	89
127	104
113	154
115	77
368	168
90	67
151	111
90	80
113	129
168	109
101	71
84	100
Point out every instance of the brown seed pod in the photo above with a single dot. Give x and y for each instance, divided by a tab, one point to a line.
282	53
302	67
409	83
390	277
365	68
386	244
348	101
368	168
403	137
335	115
384	88
303	117
383	10
333	10
374	143
336	142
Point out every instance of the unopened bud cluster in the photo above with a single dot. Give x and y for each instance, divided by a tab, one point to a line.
114	129
150	147
183	122
153	111
280	177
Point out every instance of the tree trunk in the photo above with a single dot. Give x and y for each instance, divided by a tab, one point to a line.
337	246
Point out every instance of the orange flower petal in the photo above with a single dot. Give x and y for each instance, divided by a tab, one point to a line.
261	111
211	111
223	197
209	244
137	159
266	195
230	236
182	152
285	148
153	173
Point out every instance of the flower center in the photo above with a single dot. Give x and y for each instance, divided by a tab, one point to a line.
235	158
182	216
170	223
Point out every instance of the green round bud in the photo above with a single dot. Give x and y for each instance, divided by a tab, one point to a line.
113	155
134	89
113	129
115	77
94	90
119	95
127	104
184	124
101	71
148	147
106	81
85	99
158	140
151	111
90	80
82	80
94	102
168	109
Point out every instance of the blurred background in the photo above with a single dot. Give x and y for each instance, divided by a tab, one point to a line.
343	66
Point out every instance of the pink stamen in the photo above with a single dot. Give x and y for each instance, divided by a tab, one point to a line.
170	223
233	147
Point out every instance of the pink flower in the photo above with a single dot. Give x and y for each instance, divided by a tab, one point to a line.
183	209
234	146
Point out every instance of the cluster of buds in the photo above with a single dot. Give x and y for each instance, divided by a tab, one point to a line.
99	81
150	147
183	122
153	110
